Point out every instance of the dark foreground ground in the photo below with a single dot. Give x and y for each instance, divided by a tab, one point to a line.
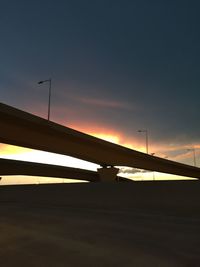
122	224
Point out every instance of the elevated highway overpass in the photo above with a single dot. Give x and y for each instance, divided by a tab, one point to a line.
24	129
18	167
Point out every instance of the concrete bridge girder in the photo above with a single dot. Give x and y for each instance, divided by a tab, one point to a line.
10	167
23	129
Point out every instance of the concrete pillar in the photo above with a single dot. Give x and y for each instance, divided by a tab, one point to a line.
108	174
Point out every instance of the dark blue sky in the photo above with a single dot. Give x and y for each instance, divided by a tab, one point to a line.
116	66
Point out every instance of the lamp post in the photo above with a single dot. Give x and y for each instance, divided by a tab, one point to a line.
194	154
49	102
146	135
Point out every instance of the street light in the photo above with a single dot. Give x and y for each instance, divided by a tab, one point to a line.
146	134
194	154
49	103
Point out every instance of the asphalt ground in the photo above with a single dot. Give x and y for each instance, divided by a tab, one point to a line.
119	224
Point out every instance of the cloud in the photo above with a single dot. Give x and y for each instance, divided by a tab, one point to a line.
105	103
127	170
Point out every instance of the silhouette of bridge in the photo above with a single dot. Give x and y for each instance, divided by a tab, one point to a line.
24	129
18	167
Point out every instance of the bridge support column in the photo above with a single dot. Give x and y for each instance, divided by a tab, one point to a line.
108	174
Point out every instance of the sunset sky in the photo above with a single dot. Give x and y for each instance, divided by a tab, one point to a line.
116	67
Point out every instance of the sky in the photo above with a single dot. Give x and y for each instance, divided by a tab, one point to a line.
116	67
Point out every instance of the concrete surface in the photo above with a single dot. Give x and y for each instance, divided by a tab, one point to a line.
119	224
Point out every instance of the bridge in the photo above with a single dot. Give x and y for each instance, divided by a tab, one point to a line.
27	130
18	167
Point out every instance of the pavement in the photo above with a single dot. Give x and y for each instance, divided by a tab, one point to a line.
117	224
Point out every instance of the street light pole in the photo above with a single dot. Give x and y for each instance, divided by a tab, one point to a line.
49	102
194	155
147	141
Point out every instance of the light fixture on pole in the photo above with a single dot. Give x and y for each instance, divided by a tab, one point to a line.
49	102
147	142
194	154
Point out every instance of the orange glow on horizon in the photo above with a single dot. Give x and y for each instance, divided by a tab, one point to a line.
6	149
107	137
111	136
114	139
